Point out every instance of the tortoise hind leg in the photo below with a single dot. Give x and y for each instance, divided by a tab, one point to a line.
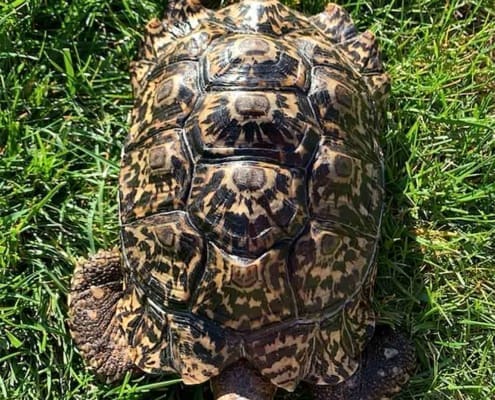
387	364
94	300
240	381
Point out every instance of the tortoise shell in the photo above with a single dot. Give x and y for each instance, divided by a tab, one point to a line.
251	193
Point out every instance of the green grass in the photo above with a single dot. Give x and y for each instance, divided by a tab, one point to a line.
64	101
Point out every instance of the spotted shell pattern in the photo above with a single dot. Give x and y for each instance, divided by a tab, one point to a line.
251	193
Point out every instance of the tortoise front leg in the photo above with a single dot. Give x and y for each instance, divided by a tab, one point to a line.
240	381
94	302
387	363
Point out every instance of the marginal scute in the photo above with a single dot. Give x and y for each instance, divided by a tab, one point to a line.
149	337
201	349
139	70
263	17
156	40
183	16
336	23
283	355
331	363
341	339
245	294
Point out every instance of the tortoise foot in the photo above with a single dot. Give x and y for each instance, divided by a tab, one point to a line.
386	365
96	289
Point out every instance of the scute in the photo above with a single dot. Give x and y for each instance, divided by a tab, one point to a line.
283	355
262	16
247	219
344	108
201	349
154	176
346	190
150	339
330	264
257	61
163	253
166	101
340	340
245	294
251	193
192	46
274	125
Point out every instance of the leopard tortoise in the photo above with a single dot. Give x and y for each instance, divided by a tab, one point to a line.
251	193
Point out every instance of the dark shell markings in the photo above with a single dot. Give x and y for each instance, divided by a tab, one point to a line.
251	193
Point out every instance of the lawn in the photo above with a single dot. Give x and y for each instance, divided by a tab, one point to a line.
64	100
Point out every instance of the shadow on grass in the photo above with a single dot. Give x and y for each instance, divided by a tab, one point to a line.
400	293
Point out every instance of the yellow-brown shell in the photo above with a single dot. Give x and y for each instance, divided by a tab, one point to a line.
251	193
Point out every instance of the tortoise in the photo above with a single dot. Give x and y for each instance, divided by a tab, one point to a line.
250	194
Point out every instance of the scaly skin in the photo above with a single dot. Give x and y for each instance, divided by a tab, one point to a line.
94	300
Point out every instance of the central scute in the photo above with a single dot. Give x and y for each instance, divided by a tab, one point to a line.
259	61
247	207
275	125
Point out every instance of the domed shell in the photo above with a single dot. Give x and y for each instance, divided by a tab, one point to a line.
251	192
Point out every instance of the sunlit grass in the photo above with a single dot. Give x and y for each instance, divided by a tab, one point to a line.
64	100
